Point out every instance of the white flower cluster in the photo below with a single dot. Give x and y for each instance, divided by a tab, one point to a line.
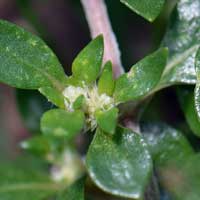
68	169
93	101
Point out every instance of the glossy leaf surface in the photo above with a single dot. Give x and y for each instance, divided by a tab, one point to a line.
197	88
182	39
142	78
120	165
26	61
149	9
166	144
60	123
87	64
186	99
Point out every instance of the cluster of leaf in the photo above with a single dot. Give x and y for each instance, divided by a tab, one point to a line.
119	161
27	63
175	161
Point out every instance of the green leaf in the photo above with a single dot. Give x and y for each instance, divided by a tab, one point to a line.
31	105
107	120
26	61
182	39
87	64
197	88
21	182
53	95
167	145
149	9
74	192
186	99
50	149
142	78
38	145
106	83
71	80
60	123
79	102
119	164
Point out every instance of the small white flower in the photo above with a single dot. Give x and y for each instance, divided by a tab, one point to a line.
72	93
93	100
69	167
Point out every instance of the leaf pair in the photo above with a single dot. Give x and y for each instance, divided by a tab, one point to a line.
120	149
122	160
139	81
26	62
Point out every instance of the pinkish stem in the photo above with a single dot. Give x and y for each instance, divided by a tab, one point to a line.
99	23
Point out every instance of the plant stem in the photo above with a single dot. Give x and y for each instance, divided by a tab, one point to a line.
132	125
99	23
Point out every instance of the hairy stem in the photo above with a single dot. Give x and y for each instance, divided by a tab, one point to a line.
99	23
132	125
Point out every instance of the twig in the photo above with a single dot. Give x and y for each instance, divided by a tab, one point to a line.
98	20
134	126
99	23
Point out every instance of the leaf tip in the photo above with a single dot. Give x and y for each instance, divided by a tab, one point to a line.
164	51
108	65
100	38
151	19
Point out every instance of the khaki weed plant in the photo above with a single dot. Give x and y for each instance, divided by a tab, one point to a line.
123	158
